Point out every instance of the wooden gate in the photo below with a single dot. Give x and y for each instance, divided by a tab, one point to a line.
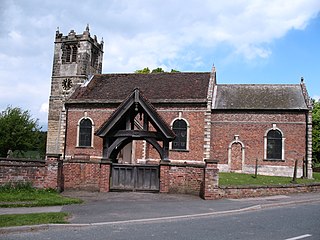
126	177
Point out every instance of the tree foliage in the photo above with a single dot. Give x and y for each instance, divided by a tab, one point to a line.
18	131
316	132
143	71
157	70
146	70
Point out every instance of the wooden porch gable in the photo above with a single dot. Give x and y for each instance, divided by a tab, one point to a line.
135	119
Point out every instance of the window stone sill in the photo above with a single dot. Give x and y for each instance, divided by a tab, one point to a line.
84	147
274	160
179	150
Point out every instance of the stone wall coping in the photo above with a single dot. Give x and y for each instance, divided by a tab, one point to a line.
28	164
106	161
27	160
270	186
164	163
213	161
55	155
82	161
195	165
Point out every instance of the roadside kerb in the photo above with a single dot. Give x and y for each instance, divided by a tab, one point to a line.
146	220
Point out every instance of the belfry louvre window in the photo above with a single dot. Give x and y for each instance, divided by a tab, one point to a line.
180	129
274	145
70	53
85	133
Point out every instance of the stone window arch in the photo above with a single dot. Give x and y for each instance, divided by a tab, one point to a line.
274	144
180	127
85	130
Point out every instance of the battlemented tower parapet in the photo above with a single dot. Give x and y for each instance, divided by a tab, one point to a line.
76	58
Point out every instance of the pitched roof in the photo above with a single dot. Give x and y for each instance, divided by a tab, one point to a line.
134	100
259	97
158	87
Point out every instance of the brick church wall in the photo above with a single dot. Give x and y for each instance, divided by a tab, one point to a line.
194	116
98	116
251	127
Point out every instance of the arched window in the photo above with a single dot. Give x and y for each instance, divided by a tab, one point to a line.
274	145
85	133
180	128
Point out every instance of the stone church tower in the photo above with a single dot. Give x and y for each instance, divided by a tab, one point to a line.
77	57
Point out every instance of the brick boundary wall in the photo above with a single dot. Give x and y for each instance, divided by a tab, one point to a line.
210	188
196	179
261	191
105	171
86	175
14	170
183	178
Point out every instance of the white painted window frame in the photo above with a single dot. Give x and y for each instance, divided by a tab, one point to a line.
188	133
274	127
78	131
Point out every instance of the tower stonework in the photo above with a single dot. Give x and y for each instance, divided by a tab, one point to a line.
77	57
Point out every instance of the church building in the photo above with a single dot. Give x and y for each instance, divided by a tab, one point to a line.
136	122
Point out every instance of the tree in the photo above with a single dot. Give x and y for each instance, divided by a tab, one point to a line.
157	70
316	132
143	71
18	131
146	70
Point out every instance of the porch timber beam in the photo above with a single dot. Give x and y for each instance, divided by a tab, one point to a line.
114	145
157	146
138	134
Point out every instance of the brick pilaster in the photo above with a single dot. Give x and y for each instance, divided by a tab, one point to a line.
53	177
210	180
105	170
164	176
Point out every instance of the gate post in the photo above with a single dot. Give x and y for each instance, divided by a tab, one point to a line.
164	176
210	180
105	167
54	176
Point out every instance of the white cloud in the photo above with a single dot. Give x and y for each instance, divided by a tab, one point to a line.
316	97
44	107
15	36
140	33
162	31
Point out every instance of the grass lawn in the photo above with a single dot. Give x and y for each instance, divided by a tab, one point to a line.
24	195
10	220
31	197
240	179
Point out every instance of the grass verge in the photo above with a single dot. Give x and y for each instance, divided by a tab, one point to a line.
11	220
240	179
27	196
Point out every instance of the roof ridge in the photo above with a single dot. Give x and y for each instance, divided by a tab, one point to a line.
259	84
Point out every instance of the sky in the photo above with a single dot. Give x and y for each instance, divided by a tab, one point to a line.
248	41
